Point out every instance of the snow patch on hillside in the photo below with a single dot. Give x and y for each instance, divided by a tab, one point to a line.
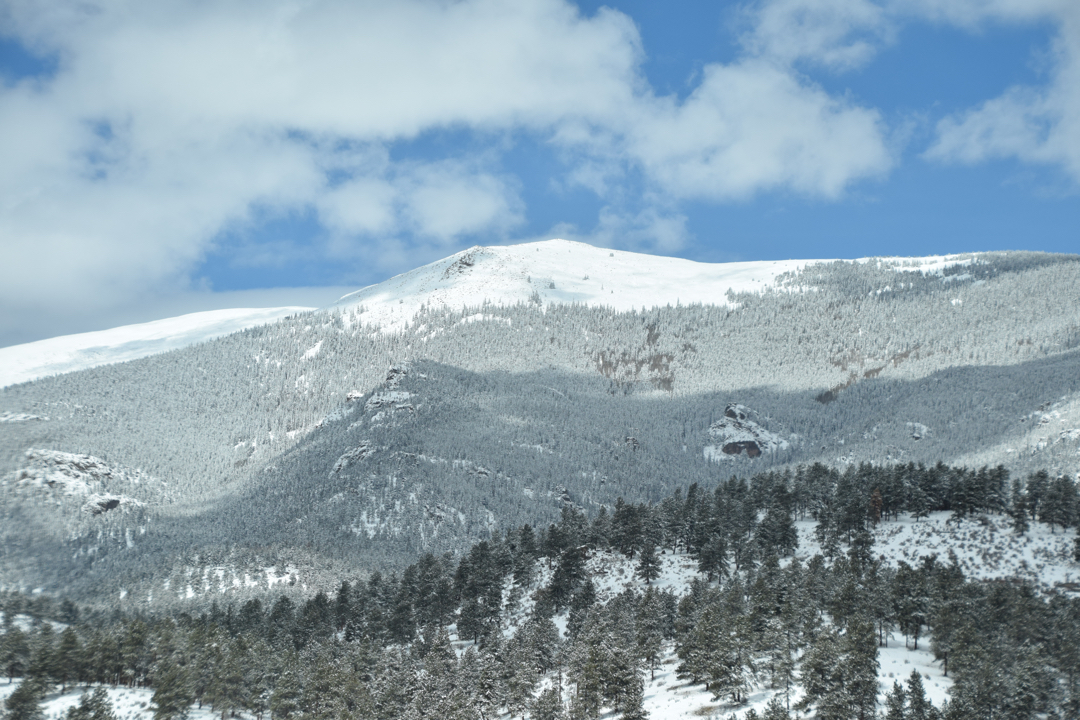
10	417
69	353
127	703
1048	436
79	475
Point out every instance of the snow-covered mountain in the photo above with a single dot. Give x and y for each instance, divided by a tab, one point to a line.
560	271
552	271
521	378
70	353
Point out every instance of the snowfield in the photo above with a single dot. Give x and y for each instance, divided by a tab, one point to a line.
69	353
127	703
558	271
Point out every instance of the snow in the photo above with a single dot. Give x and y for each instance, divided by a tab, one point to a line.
10	417
78	475
128	703
30	361
557	271
985	547
552	271
929	265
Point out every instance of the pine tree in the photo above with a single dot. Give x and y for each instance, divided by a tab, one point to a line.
723	655
648	567
548	705
25	702
712	558
173	694
633	704
14	651
227	689
919	707
285	701
92	706
840	673
776	710
520	675
650	633
861	676
895	703
68	658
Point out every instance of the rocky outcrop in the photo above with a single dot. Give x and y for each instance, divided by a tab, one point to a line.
736	434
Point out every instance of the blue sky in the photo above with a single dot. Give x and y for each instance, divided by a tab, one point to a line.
176	156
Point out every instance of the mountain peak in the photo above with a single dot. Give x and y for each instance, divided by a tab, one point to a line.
558	271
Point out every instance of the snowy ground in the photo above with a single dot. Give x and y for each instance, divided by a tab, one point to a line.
667	697
985	547
559	271
128	703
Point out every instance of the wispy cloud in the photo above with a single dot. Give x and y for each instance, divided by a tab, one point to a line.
1032	124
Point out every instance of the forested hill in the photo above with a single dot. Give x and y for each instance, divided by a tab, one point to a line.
321	445
764	598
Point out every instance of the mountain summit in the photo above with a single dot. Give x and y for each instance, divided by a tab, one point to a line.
560	271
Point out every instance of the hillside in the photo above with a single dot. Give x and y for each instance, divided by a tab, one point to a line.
71	353
295	451
531	624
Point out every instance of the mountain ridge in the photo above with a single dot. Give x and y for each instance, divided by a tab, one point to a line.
564	272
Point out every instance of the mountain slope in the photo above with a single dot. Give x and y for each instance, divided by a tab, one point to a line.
560	271
71	353
289	445
554	271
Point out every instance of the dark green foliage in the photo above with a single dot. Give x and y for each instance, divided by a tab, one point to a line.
92	706
840	672
548	705
173	693
648	566
24	703
14	652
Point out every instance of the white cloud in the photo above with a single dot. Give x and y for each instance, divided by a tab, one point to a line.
839	34
751	126
652	230
1031	124
170	122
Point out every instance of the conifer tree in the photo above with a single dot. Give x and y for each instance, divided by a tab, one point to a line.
633	703
548	705
776	710
895	703
173	695
648	566
14	651
919	707
713	558
92	706
24	703
68	658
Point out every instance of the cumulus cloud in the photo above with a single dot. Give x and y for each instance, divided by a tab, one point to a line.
167	124
753	125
